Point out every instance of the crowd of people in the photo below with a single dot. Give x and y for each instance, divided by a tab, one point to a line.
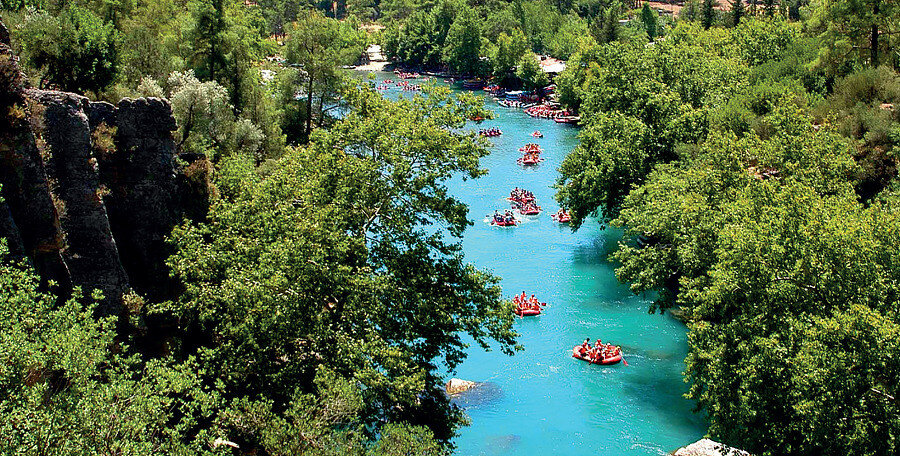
404	75
546	111
523	201
515	104
532	154
490	132
521	196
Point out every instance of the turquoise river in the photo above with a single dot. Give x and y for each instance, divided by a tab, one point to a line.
541	401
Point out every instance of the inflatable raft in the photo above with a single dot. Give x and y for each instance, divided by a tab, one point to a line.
578	353
527	312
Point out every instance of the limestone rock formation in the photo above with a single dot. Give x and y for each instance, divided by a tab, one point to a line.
91	189
34	221
90	250
707	447
143	200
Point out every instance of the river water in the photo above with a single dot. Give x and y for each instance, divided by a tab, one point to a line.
543	402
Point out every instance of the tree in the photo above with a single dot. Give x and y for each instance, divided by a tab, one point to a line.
856	27
769	8
76	51
648	18
508	52
64	374
462	49
330	262
319	46
737	12
708	13
206	121
530	72
208	38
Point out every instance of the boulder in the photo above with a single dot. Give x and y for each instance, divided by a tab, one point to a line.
707	447
457	386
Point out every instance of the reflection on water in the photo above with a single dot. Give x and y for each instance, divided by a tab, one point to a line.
544	402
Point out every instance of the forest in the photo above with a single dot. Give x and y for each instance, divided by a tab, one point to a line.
307	304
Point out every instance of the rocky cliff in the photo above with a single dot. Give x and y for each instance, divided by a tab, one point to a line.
90	189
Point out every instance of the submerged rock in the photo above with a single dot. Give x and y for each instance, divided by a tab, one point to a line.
503	444
707	447
465	393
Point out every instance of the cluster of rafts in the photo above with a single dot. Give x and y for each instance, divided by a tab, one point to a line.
523	202
531	155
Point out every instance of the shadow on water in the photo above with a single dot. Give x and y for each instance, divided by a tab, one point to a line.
502	444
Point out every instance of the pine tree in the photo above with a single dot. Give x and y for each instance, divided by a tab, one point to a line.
708	13
648	17
737	12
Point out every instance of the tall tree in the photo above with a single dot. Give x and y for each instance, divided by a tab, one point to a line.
509	50
737	12
866	27
462	49
648	18
331	262
208	38
708	13
530	72
319	46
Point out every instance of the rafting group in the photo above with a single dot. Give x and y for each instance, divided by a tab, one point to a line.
599	353
544	111
531	155
527	307
515	104
523	201
405	85
404	75
507	218
562	216
521	196
490	132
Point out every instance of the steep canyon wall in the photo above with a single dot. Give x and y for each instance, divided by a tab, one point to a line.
90	189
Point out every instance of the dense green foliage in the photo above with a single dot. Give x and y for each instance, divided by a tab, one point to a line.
747	151
483	39
337	268
75	51
753	171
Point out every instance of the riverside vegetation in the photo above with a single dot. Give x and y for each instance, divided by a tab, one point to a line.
748	152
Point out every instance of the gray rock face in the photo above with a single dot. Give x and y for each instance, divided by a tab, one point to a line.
101	112
707	447
34	228
90	251
143	201
90	189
